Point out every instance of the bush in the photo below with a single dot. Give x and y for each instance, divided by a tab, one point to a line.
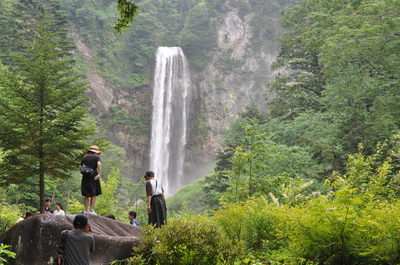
194	241
8	216
256	223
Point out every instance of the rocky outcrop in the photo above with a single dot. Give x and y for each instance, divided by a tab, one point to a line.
36	240
238	71
98	87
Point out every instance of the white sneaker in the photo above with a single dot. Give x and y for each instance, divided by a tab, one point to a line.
92	213
86	212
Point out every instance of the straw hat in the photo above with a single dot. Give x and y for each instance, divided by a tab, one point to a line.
94	149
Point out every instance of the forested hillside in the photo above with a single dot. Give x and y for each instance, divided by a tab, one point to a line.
338	95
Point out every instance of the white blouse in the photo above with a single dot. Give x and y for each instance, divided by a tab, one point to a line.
60	212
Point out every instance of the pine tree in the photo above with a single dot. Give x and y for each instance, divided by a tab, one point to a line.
42	110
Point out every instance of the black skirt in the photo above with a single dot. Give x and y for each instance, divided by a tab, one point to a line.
90	186
158	213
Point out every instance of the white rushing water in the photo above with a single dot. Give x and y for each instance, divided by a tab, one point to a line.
171	99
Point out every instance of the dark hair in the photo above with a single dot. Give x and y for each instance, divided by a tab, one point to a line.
59	204
111	216
132	213
27	214
148	174
48	199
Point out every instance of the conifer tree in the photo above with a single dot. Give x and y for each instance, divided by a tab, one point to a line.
42	110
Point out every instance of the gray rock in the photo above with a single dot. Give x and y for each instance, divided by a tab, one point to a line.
36	240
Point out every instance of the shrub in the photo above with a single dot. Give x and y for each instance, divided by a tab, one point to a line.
194	241
255	223
8	216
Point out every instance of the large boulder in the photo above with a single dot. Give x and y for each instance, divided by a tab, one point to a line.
36	240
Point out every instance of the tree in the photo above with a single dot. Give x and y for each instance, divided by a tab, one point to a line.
42	112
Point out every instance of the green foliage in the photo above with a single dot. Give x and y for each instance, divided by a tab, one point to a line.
195	241
5	254
9	215
198	37
355	223
342	74
107	202
261	166
191	197
127	10
255	222
41	111
75	207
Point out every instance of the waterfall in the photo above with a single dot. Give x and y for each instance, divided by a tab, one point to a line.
171	99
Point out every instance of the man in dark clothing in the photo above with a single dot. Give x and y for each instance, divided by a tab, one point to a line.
47	207
79	244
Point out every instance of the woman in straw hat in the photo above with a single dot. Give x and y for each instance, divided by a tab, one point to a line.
91	181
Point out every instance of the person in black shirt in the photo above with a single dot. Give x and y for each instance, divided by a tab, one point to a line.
47	207
91	182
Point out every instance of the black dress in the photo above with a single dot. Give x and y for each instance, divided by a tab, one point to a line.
89	185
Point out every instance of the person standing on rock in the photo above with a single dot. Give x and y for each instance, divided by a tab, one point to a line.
79	244
90	168
156	203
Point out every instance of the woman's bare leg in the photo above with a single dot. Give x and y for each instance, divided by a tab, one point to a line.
86	202
92	202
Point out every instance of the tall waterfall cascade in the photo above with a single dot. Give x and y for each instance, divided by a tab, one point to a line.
171	99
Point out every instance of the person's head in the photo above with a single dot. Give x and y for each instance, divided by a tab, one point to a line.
47	202
81	222
149	174
94	149
132	215
28	215
59	206
111	216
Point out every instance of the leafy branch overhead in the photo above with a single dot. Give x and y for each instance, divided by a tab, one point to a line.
127	10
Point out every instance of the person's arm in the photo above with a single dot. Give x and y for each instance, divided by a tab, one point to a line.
148	203
149	193
98	170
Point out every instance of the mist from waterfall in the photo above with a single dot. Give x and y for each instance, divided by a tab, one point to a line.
171	98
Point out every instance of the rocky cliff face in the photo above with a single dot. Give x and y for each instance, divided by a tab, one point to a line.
235	76
238	71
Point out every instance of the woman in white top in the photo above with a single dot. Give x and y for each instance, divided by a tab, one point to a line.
59	209
156	205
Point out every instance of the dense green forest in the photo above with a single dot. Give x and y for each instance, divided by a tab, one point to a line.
314	179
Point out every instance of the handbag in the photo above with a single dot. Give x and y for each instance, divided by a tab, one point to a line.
86	171
59	258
